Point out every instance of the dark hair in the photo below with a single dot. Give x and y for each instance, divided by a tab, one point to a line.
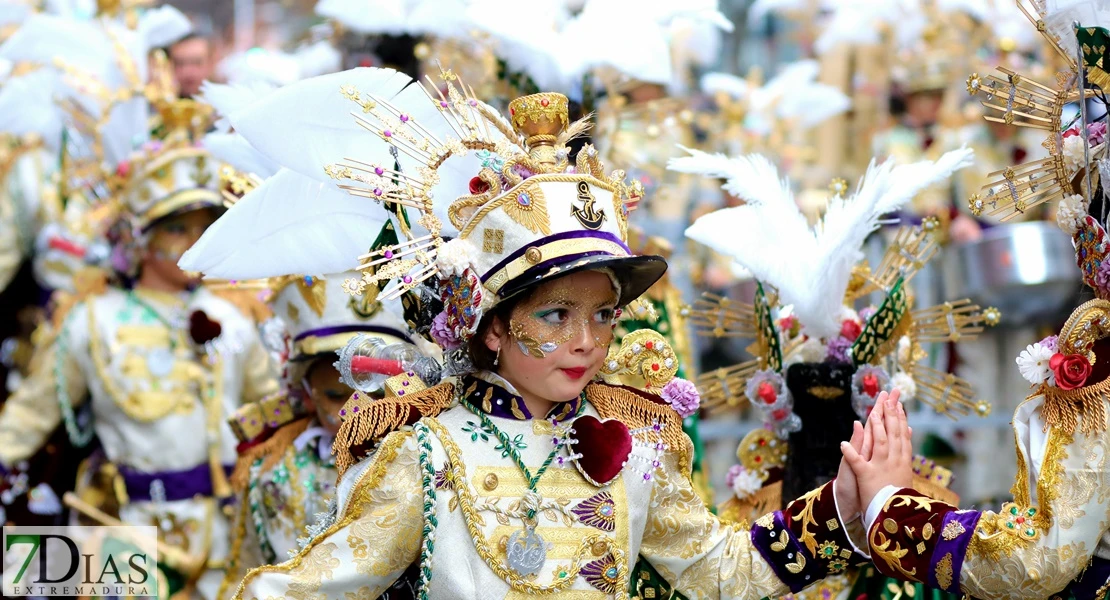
480	355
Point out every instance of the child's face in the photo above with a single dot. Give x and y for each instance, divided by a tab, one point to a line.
557	339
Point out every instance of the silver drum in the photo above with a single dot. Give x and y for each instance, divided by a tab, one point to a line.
1027	270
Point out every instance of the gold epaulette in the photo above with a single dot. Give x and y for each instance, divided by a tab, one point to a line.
87	282
367	420
636	408
271	450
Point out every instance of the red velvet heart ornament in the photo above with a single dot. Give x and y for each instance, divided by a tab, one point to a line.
605	447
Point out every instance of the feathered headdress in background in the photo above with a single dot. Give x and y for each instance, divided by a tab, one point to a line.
809	266
816	275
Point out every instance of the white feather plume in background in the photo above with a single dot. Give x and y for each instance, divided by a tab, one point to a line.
810	266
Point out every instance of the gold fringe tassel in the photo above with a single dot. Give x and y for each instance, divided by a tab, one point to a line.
270	451
368	419
635	411
1082	408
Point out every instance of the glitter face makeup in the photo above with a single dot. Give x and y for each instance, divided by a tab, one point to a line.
555	314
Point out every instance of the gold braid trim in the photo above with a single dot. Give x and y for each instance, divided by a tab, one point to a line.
270	451
635	410
991	539
367	481
456	474
1066	410
367	420
238	536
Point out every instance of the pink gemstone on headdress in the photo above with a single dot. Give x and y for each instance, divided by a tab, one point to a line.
404	118
473	102
647	476
388	254
378	170
377	191
406	279
443	104
387	133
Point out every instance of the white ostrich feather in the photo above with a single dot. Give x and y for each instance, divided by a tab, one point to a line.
290	224
307	141
810	267
232	149
228	99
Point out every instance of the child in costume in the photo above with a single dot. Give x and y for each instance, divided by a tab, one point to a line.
820	365
286	475
523	474
1052	538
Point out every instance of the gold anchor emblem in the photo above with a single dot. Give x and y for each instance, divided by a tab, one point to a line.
588	215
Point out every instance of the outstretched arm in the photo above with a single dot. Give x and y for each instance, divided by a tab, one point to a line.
1032	548
782	552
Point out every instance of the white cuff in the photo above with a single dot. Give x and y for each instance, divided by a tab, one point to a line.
846	521
877	504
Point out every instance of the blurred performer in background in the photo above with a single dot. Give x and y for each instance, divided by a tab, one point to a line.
138	354
191	57
286	474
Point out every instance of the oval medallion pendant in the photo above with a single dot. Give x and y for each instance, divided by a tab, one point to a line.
526	551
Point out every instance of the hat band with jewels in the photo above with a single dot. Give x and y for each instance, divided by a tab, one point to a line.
191	199
553	251
330	339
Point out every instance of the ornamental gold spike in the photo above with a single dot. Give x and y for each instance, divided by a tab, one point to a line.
720	317
1014	99
947	394
949	322
723	389
907	254
1016	189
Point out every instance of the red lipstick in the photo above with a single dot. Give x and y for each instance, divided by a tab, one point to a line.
576	373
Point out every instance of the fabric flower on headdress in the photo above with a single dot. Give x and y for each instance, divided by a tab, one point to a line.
443	335
682	396
1071	370
1101	278
454	257
904	383
1033	362
1070	213
838	348
743	482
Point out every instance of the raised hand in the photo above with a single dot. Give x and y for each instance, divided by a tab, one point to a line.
891	451
847	489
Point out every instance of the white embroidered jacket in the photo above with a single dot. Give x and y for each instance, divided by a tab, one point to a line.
457	468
